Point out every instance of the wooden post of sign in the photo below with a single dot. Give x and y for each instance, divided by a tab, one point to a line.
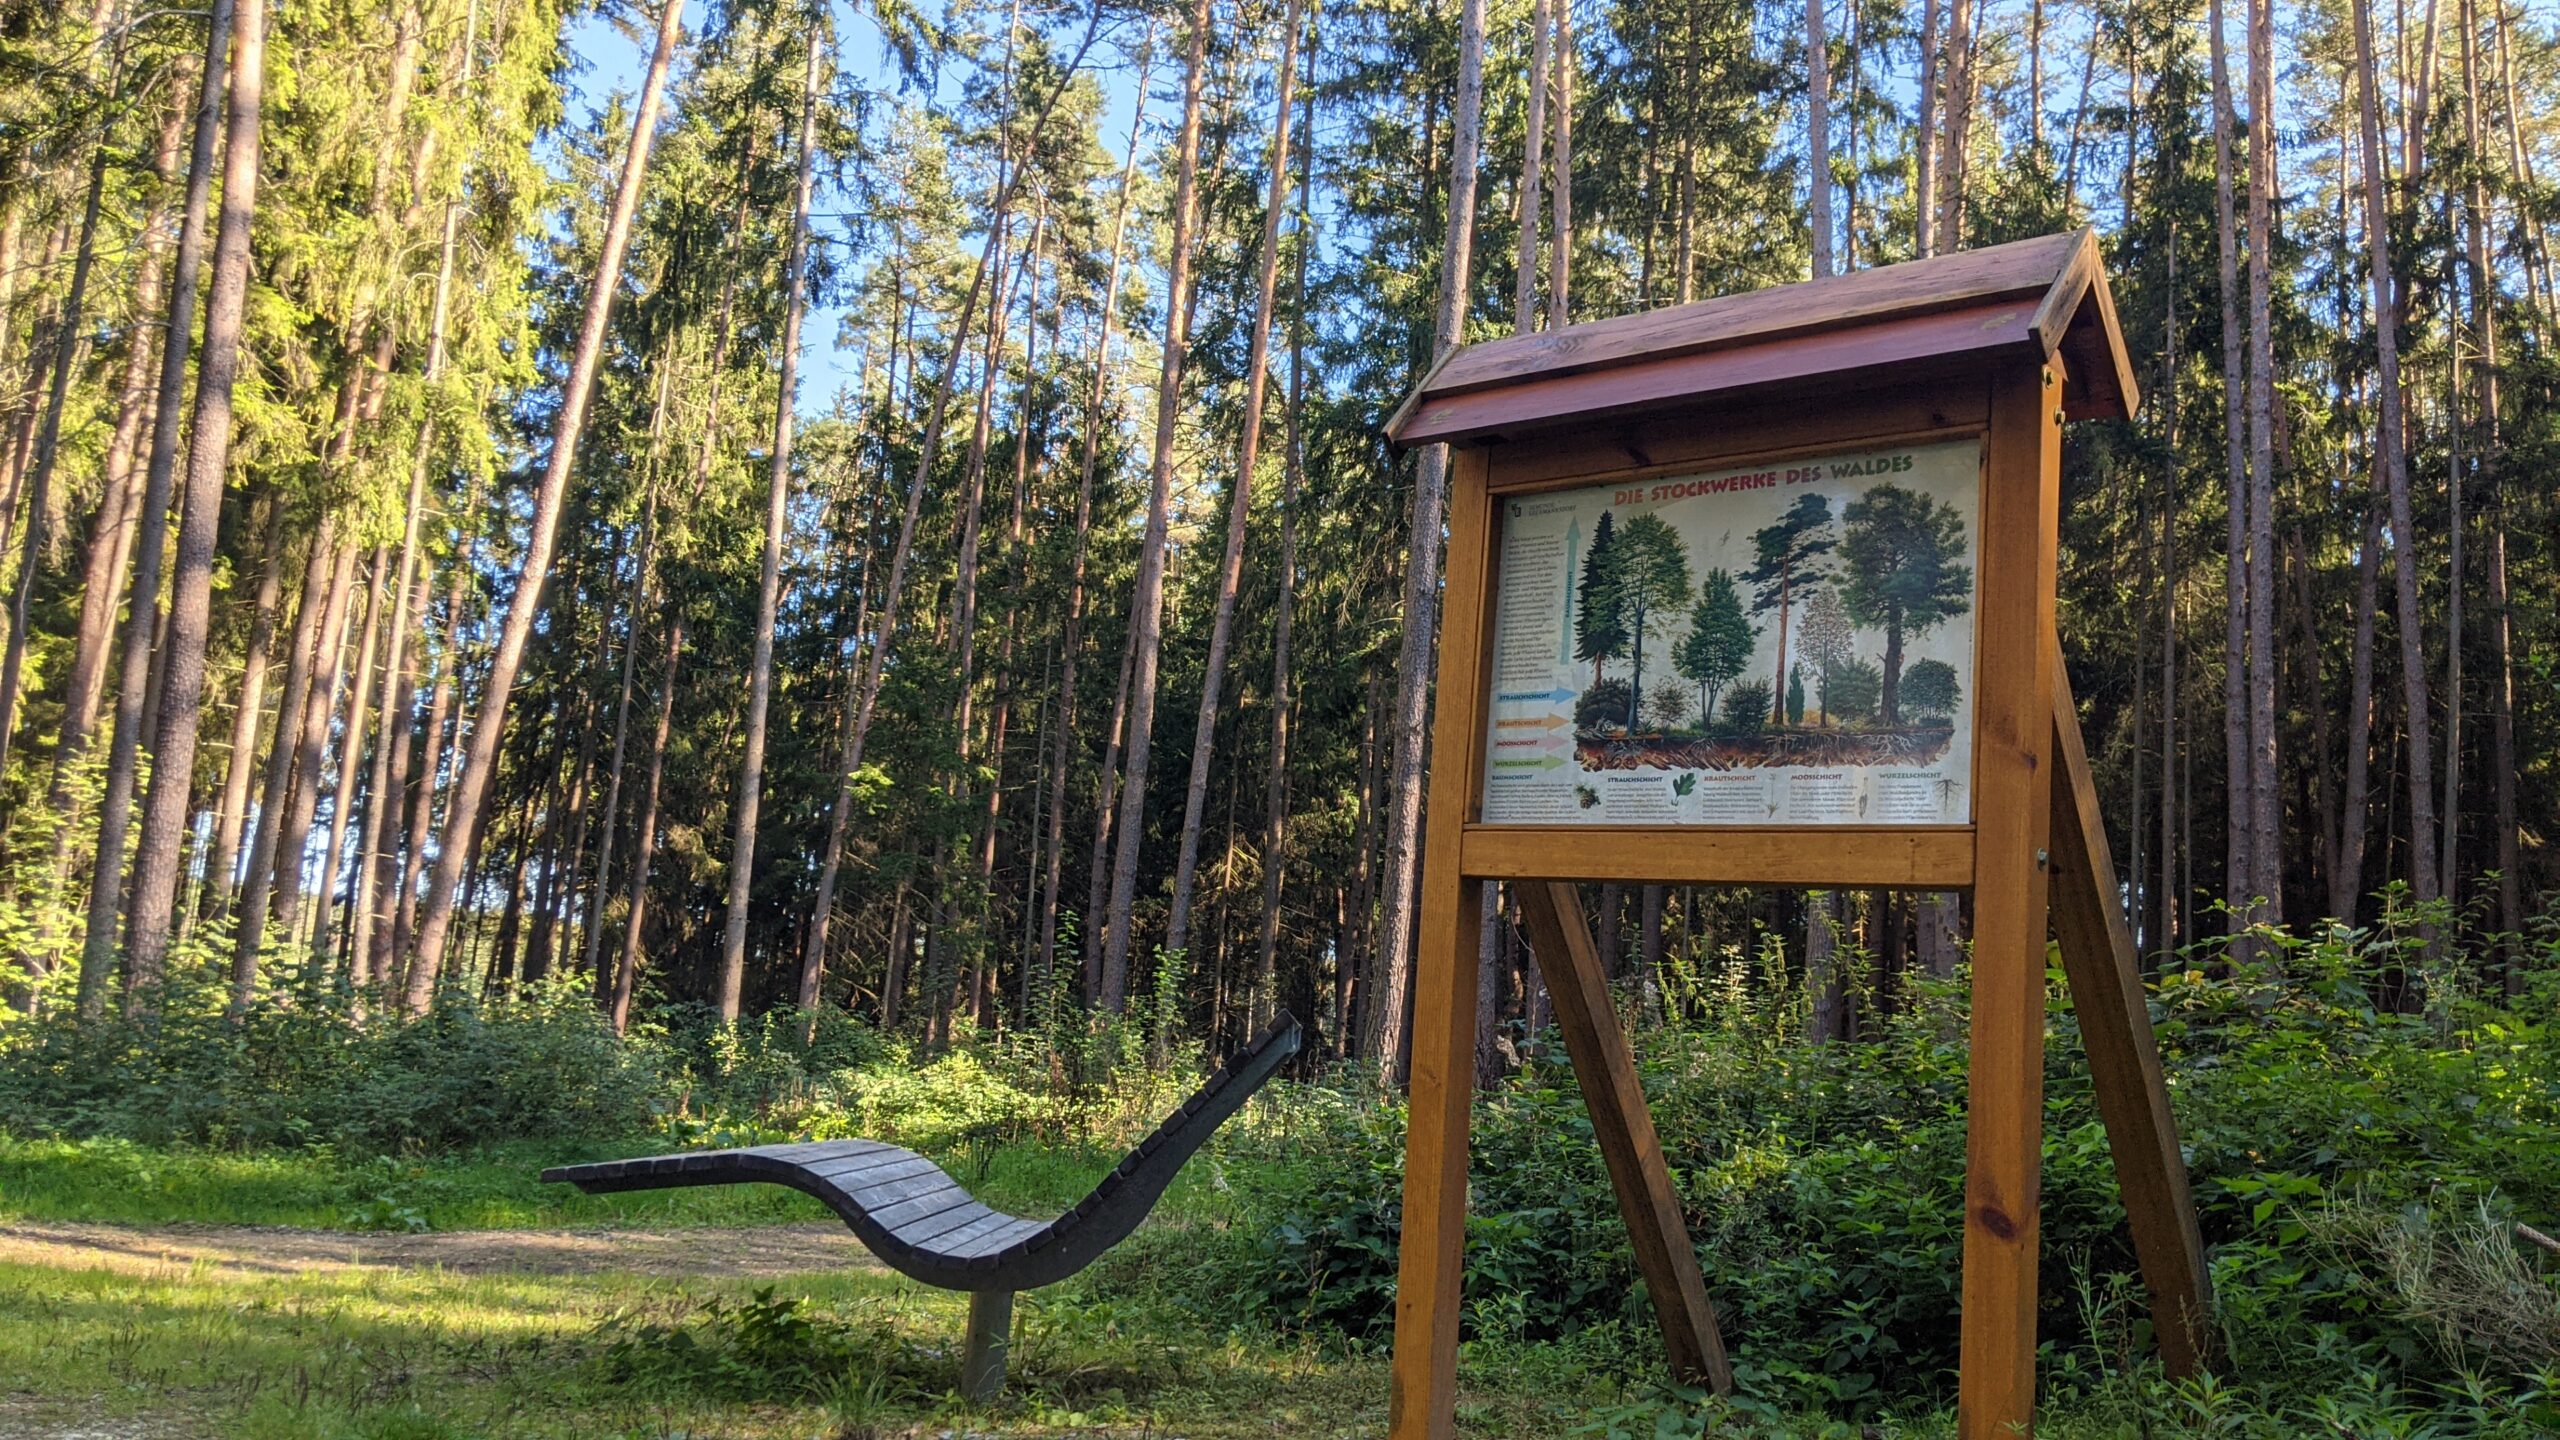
1560	939
1423	1387
2124	1062
2013	770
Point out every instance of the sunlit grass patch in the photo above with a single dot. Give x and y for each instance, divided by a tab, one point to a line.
391	1355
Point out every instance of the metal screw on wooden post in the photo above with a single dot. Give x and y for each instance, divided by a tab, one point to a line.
983	1347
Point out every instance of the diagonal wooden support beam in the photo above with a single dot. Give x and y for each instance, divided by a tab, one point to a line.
1560	939
2124	1063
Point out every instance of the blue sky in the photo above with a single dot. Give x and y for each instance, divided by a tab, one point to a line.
609	61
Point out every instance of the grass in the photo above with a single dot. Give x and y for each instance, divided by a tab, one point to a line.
121	1183
429	1356
127	1350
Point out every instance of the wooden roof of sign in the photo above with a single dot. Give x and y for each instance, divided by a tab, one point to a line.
2028	300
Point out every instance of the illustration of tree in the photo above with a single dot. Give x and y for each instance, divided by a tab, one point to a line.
1795	695
1718	647
1823	642
1790	551
1931	688
1904	572
1652	579
1599	626
1856	686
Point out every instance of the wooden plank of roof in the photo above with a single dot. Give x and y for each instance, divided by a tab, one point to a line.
2098	381
2020	270
1954	336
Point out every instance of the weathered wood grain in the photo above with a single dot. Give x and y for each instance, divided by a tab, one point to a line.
2105	976
2013	769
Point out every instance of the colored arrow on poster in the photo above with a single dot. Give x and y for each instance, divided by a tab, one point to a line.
1548	721
1520	697
1549	762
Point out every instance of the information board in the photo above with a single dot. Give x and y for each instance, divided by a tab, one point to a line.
1783	644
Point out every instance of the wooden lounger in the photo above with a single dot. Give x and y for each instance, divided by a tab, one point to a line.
923	1224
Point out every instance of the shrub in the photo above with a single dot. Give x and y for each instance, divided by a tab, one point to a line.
1930	690
1855	691
1602	707
301	1071
1820	1189
1745	711
1669	707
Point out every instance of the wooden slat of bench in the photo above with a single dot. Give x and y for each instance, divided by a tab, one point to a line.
899	1197
929	1230
994	1242
956	1242
835	1165
857	1179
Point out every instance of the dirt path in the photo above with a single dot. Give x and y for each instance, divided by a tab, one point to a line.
753	1251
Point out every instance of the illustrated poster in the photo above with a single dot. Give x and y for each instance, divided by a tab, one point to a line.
1786	644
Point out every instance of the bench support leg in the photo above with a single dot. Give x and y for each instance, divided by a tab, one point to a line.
982	1351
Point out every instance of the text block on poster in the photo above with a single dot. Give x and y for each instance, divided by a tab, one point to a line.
1783	644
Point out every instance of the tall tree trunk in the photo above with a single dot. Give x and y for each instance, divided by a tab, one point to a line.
642	579
840	807
444	700
328	669
351	751
267	855
1430	498
1146	606
644	840
1924	189
1240	495
1107	792
380	896
1826	1014
742	850
123	486
2035	78
2266	839
1560	175
1275	781
1956	130
2392	455
1090	450
1817	92
70	343
435	921
231	816
2484	323
369	960
1524	302
2237	868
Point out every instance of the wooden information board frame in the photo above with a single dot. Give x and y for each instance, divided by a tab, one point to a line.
2003	344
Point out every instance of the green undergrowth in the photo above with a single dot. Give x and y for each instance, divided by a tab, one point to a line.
119	1182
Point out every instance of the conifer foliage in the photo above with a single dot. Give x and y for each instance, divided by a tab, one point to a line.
881	508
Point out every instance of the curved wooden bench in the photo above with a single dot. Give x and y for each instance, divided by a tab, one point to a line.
922	1223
